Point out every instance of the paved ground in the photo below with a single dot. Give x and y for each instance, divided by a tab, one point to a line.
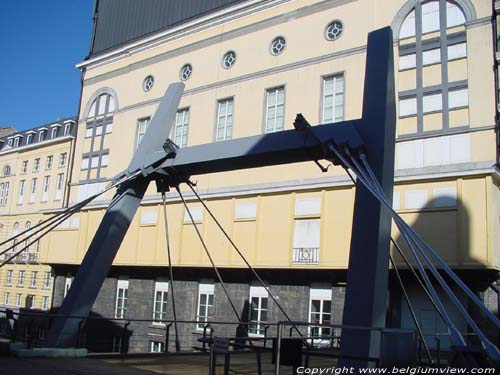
244	364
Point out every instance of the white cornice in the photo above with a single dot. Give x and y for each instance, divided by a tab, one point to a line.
37	144
185	29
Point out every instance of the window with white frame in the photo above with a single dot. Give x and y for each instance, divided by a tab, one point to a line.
6	298
10	142
142	126
46	281
42	134
67	128
49	161
29	138
15	231
205	305
19	299
27	241
181	127
333	99
8	280
45	302
306	234
320	312
121	299
62	159
30	301
157	347
16	141
24	166
259	300
4	193
160	302
20	279
59	186
224	129
53	132
36	165
34	278
275	109
45	191
20	197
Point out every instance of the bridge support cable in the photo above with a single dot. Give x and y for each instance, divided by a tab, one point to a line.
417	245
171	272
53	222
412	311
240	253
216	270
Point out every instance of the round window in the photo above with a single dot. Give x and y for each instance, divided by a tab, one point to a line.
334	30
185	72
148	83
278	45
229	59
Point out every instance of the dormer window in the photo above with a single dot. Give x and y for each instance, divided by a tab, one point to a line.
16	141
53	132
29	139
42	135
10	142
67	128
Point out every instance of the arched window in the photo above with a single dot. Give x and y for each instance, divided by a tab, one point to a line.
433	48
102	105
6	170
15	231
26	242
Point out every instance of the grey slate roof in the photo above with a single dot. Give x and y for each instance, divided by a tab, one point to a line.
120	21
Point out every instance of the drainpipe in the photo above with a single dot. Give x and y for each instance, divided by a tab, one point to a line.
495	72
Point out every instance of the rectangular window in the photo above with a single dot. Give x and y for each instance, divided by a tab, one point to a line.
432	56
196	213
157	347
89	132
49	161
9	277
224	130
205	304
46	185
33	190
4	193
62	159
67	129
34	279
407	107
142	125
407	61
245	210
6	298
53	132
20	197
259	299
458	98
59	186
36	165
104	160
19	299
94	162
181	127
42	135
20	279
16	141
160	302
29	139
98	130
46	280
30	301
432	103
275	109
306	240
45	303
121	299
117	344
85	163
457	51
320	312
24	166
333	99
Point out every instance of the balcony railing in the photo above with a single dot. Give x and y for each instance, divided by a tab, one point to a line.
305	255
32	258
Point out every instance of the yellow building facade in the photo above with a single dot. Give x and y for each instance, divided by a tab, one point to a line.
35	167
249	67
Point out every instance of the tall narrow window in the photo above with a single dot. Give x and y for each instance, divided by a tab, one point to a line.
26	246
320	312
333	99
45	303
160	302
62	159
205	305
30	301
259	299
306	234
6	298
181	128
24	166
42	135
46	185
59	186
36	165
53	132
224	129
8	280
49	161
67	284
157	347
67	128
33	190
121	299
19	299
275	109
4	193
20	279
142	126
46	281
29	139
34	279
20	197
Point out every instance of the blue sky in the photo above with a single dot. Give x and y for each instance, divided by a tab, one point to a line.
41	42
